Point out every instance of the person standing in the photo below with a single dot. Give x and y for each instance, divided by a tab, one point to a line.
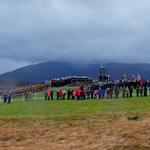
9	98
131	90
92	93
127	92
99	93
60	94
85	93
30	96
68	94
145	90
88	93
5	98
52	95
57	94
111	92
63	94
48	93
45	92
107	92
26	95
137	91
116	91
95	93
103	91
79	93
123	92
73	95
141	91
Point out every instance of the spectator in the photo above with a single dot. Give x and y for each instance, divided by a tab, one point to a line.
68	94
9	98
48	93
5	98
137	91
52	95
63	94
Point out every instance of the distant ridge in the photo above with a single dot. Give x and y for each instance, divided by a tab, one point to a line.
50	70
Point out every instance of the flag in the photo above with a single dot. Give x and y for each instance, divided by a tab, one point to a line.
124	76
138	77
133	78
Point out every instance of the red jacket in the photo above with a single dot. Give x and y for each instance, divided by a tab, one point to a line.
49	93
60	93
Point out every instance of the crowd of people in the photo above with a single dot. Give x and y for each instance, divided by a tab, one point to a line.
39	87
29	88
73	80
92	90
95	91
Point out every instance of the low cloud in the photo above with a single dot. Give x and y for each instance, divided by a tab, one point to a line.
74	30
10	65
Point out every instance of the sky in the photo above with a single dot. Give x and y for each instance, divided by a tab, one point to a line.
86	31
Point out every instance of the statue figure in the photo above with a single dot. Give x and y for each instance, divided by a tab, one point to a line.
102	70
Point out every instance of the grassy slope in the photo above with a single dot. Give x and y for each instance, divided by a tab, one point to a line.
69	107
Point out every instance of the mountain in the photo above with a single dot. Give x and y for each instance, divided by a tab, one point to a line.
50	70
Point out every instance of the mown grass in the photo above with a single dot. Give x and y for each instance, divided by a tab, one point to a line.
40	107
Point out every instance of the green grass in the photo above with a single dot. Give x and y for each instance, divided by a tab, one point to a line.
40	107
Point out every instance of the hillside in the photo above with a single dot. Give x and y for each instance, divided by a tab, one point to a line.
49	70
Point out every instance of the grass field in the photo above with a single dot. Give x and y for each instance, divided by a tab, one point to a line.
40	107
71	124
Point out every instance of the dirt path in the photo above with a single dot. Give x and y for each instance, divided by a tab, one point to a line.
89	133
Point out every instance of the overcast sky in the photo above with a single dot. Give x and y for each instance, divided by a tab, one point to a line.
33	31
